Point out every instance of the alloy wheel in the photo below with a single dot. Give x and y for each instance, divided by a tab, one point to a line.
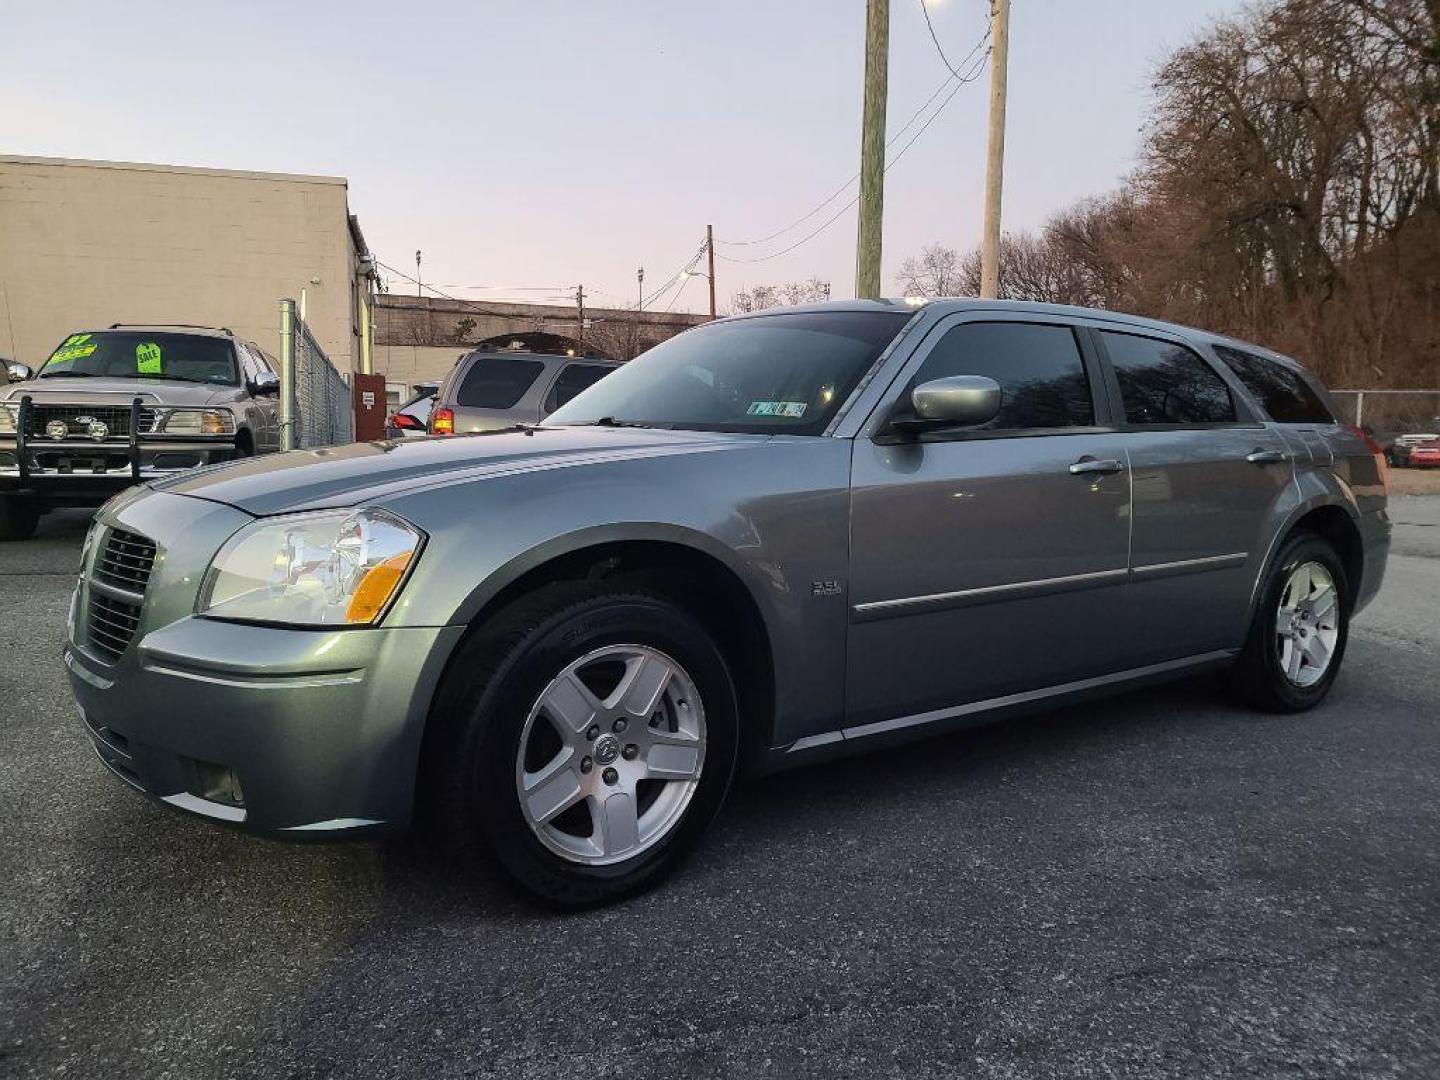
611	754
1307	625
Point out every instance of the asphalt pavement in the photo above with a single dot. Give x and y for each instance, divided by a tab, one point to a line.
1160	885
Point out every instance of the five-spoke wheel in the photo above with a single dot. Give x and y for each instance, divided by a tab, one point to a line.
586	736
611	754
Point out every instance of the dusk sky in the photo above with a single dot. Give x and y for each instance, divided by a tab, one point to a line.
542	143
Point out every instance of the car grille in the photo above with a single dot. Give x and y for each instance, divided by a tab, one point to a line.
116	419
125	561
123	564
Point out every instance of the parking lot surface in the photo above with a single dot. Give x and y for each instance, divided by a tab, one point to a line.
1160	885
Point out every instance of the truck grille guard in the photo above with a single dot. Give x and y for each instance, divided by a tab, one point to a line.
22	431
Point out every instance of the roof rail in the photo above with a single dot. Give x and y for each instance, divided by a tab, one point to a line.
176	325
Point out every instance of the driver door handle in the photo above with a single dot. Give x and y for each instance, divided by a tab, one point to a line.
1267	457
1087	465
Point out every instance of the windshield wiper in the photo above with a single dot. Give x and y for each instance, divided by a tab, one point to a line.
68	375
610	421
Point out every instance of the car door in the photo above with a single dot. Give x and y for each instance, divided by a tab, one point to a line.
266	406
1206	473
987	562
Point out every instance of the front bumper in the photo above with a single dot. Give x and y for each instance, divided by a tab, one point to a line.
315	731
77	468
320	731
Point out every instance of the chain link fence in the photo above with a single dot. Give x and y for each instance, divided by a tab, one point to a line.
316	408
1391	412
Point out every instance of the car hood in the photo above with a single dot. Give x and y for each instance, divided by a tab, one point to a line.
363	472
95	391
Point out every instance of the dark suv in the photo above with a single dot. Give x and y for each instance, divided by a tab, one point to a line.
113	407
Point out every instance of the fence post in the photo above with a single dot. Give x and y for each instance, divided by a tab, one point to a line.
287	374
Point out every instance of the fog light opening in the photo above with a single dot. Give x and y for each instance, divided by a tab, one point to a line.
218	784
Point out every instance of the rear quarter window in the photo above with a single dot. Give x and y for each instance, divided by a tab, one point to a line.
1162	382
497	382
1282	392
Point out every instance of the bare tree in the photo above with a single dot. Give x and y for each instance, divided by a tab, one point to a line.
760	297
1288	192
936	272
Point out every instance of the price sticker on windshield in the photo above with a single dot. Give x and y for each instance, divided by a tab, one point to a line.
75	347
791	409
147	358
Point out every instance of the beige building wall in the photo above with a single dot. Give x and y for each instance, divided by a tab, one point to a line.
408	364
84	244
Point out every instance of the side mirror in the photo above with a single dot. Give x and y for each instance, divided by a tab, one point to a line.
955	401
19	372
266	383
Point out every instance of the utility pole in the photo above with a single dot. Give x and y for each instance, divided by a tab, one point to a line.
580	303
872	150
995	154
710	255
417	272
640	277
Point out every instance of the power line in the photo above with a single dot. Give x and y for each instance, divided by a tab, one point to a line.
925	8
889	165
945	83
415	281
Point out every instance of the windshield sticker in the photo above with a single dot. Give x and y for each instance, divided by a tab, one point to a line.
75	347
776	408
147	358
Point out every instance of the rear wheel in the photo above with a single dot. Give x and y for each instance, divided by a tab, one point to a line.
589	736
1301	626
19	515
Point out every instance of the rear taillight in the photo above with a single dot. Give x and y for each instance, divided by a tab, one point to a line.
442	422
406	422
1381	461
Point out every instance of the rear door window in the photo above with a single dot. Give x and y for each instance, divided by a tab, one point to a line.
1041	375
497	382
1282	392
574	378
1162	382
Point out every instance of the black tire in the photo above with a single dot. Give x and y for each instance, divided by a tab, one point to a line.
1258	675
468	775
19	515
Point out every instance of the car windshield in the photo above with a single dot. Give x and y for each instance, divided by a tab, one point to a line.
144	355
785	373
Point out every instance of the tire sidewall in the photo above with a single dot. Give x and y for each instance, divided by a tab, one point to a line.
499	719
1303	548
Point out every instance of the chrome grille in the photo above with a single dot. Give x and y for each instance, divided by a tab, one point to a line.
112	625
116	419
125	561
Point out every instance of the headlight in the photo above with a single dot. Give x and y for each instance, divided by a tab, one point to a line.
7	420
195	422
334	568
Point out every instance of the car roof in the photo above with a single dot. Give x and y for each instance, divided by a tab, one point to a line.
169	328
475	354
946	305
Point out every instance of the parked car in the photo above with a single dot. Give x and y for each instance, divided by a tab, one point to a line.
1402	447
111	408
1424	455
412	419
488	391
772	539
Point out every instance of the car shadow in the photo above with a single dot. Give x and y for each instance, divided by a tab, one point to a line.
781	809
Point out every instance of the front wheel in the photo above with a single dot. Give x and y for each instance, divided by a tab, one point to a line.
589	737
1301	626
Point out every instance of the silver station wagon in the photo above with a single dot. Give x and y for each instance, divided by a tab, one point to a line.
771	539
